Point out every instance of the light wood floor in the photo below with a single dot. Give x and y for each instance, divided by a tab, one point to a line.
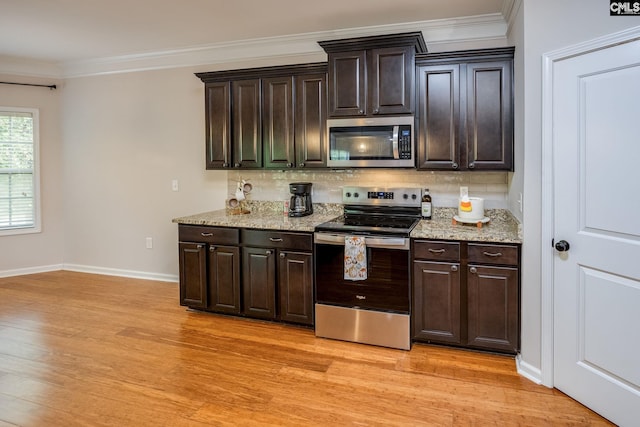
87	350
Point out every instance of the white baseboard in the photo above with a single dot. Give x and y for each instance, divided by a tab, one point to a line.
122	273
30	270
528	371
91	269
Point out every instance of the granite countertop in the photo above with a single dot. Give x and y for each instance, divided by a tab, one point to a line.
264	215
502	227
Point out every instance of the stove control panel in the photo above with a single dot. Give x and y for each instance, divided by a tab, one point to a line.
381	196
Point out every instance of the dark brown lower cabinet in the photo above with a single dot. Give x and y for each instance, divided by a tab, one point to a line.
255	273
437	301
467	294
193	274
224	279
209	268
258	282
295	286
492	307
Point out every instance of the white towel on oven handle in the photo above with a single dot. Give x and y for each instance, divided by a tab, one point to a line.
355	258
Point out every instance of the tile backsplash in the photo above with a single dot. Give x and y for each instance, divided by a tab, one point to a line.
327	184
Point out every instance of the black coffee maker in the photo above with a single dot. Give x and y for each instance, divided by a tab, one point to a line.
300	204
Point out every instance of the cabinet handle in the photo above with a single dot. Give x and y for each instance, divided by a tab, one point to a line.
289	165
455	165
275	239
454	268
206	234
360	111
282	255
492	254
436	251
302	165
472	165
212	248
236	165
200	246
473	270
225	165
267	252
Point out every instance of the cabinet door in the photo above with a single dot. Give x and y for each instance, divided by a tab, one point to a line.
193	274
224	279
347	83
436	303
439	117
489	116
259	282
218	124
390	80
247	128
277	122
295	285
311	121
493	320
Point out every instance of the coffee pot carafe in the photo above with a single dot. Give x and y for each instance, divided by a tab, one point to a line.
300	204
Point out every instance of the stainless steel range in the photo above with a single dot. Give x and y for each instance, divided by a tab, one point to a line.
363	270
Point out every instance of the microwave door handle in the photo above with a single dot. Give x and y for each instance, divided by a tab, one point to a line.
396	153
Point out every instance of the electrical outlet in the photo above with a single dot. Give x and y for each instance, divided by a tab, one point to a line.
174	185
149	242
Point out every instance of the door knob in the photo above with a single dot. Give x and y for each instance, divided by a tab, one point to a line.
562	246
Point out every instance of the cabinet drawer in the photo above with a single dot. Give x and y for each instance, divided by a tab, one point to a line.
436	251
205	234
278	239
493	254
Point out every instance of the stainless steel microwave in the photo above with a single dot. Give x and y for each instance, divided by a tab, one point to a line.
371	142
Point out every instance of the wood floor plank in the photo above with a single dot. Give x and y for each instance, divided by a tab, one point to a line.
88	350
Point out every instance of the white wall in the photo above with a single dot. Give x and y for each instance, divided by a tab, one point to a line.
126	137
547	25
39	251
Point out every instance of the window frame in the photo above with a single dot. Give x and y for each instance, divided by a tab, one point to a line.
37	221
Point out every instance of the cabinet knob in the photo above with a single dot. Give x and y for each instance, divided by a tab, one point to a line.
376	111
454	268
472	165
289	165
282	255
455	165
212	248
200	246
268	252
360	111
473	270
236	165
301	165
225	165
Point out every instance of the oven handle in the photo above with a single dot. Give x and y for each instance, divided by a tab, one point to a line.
372	242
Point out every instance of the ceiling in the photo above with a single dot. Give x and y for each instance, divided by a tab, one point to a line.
62	31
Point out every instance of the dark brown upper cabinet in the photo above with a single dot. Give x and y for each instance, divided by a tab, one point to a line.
246	113
272	117
371	76
465	110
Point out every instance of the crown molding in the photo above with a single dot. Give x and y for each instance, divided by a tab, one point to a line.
281	49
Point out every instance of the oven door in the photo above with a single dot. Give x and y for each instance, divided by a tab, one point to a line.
387	287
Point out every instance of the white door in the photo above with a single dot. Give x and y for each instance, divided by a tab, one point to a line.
596	181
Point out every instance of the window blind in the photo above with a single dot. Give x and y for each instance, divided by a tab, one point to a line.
17	160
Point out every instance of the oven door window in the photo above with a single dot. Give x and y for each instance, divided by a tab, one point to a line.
362	143
386	288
